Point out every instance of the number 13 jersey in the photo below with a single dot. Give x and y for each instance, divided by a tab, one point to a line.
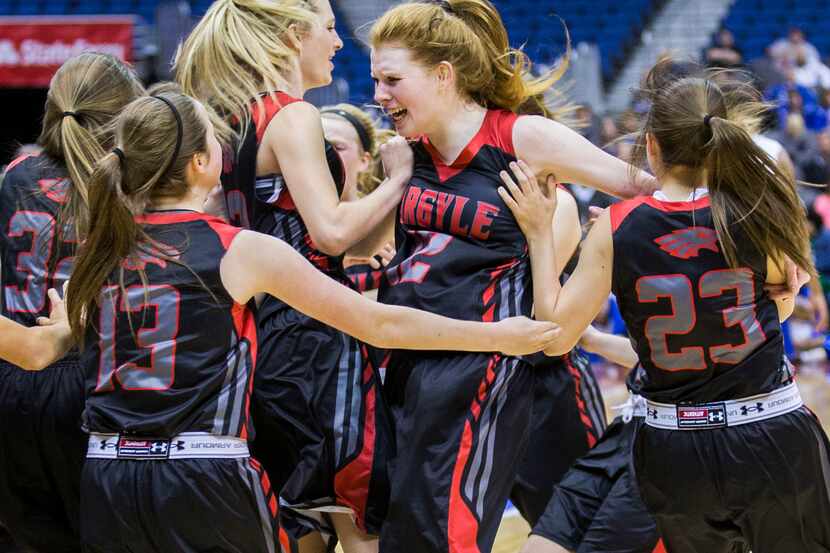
703	331
178	354
460	251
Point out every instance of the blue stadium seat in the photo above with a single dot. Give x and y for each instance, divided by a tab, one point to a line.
28	7
757	23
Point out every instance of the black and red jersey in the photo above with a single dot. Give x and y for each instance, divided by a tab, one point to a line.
35	254
177	355
460	251
263	202
703	331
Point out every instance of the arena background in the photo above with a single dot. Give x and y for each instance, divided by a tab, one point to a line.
783	43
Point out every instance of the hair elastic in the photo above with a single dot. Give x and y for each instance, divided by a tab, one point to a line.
444	4
120	153
365	140
707	120
70	114
179	132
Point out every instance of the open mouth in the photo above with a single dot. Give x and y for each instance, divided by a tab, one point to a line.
397	115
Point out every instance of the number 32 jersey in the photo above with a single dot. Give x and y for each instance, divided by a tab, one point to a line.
703	331
36	255
176	356
460	251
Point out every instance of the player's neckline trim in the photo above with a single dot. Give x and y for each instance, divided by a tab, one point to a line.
665	205
467	153
168	216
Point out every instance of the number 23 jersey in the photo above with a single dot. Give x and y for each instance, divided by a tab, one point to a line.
703	331
460	251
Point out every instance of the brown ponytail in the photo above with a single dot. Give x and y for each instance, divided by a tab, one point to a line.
85	94
471	36
703	123
143	168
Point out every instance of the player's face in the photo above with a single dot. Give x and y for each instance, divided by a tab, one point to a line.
319	45
406	90
343	137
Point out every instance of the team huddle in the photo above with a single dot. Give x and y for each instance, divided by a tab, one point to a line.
220	382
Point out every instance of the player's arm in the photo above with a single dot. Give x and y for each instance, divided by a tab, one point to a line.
776	277
259	263
551	147
549	219
295	138
617	349
581	298
37	347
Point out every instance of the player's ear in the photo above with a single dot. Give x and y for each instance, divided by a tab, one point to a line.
445	73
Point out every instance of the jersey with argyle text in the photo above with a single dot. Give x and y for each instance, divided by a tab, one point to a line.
703	331
460	251
263	203
178	354
35	254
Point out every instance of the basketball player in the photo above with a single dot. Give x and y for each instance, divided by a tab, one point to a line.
353	134
568	414
446	76
322	429
42	211
167	395
721	409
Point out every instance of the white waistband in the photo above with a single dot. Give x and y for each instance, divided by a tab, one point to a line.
704	416
188	445
635	406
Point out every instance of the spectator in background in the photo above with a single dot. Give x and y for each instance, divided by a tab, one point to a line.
791	97
817	168
588	124
810	72
723	52
798	141
786	50
766	71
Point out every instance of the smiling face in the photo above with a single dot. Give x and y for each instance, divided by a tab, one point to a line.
406	90
343	136
319	44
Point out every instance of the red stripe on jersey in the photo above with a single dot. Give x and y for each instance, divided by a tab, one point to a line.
489	292
496	130
670	207
590	431
17	161
351	483
272	104
285	541
174	216
225	231
244	324
660	548
462	525
621	210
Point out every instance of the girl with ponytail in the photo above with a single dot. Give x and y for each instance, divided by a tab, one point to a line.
448	79
689	266
43	214
252	61
160	299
